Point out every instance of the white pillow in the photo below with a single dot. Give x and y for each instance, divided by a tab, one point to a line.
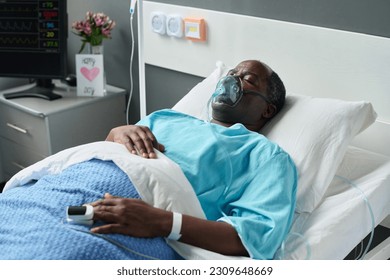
194	103
314	131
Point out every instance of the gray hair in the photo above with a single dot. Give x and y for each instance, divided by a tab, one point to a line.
276	91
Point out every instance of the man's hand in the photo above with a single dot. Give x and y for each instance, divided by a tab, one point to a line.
136	218
130	217
137	139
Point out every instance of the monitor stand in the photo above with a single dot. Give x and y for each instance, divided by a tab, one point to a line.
43	89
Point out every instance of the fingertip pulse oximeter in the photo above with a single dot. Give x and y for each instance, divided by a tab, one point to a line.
82	215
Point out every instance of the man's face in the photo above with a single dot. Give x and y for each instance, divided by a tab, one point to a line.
251	108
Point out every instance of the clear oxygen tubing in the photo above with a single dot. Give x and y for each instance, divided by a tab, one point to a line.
283	248
282	251
229	171
365	199
229	168
131	10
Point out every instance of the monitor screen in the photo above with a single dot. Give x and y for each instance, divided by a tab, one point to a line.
33	40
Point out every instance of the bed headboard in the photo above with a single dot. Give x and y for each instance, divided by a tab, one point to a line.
311	60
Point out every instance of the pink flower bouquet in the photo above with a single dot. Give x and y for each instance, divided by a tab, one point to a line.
95	28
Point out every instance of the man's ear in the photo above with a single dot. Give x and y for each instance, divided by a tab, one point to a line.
270	111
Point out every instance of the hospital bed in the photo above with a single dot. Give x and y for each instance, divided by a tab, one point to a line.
334	212
349	194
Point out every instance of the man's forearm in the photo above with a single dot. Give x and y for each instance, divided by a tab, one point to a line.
136	218
218	237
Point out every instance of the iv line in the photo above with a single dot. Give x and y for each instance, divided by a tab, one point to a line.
132	5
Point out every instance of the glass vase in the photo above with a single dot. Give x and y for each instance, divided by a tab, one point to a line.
99	50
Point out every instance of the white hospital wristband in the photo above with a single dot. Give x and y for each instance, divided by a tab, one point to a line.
176	226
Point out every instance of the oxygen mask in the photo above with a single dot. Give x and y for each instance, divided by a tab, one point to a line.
229	91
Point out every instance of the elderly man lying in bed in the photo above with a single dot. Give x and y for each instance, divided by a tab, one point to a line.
244	184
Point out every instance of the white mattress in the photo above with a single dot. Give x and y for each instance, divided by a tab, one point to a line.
343	219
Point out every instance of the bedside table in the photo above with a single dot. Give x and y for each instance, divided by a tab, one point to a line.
33	128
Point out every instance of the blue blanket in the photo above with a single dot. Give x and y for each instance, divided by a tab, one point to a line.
33	218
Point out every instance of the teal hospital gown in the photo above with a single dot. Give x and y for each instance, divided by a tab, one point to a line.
239	176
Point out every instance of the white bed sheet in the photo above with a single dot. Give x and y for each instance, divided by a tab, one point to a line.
343	219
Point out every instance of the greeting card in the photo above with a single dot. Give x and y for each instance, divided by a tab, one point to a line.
90	75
